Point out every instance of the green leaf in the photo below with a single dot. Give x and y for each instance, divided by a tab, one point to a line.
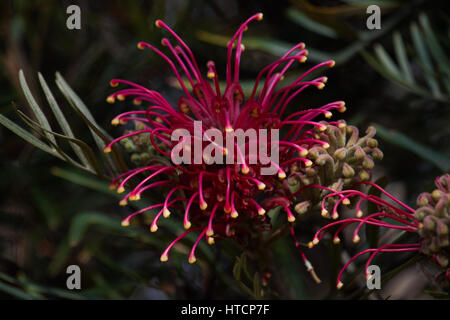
62	120
86	149
84	220
27	136
440	160
309	24
40	116
402	58
115	160
424	59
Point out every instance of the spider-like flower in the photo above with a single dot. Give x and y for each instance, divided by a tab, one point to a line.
430	222
220	200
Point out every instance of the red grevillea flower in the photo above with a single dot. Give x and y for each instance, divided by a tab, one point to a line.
430	222
220	200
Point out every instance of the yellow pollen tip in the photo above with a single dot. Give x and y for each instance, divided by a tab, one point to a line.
281	175
302	59
113	84
132	198
125	223
326	145
356	239
324	79
261	212
420	225
304	153
187	225
192	260
346	202
322	128
123	203
321	86
342	125
308	163
339	285
225	151
359	214
166	213
211	241
110	99
140	46
120	190
291	219
332	63
229	129
328	114
112	187
342	109
245	170
120	97
234	214
324	213
310	245
211	75
164	258
209	232
115	122
242	47
261	186
368	276
315	241
260	17
154	228
335	216
137	102
203	205
158	23
336	240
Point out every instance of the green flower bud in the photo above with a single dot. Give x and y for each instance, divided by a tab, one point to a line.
347	171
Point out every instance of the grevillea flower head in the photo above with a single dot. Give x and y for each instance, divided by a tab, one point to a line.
430	222
220	200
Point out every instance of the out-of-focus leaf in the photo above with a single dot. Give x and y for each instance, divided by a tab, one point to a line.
309	24
425	60
440	160
402	58
83	221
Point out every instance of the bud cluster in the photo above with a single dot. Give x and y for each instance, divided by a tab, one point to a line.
433	212
139	147
344	160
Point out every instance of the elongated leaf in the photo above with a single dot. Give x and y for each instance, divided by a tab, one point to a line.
402	58
62	120
309	24
440	160
40	116
101	138
86	149
424	59
386	60
27	136
83	221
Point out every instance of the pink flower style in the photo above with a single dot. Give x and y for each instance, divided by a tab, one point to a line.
430	222
220	200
